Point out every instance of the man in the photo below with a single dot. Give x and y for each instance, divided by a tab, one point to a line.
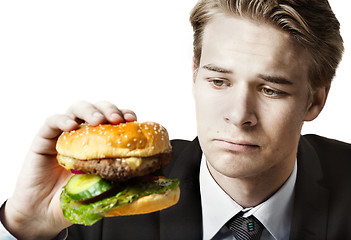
261	68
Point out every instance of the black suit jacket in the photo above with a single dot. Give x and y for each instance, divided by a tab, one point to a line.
322	207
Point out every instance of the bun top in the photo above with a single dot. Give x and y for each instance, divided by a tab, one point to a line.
131	139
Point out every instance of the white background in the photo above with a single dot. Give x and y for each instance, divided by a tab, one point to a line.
136	54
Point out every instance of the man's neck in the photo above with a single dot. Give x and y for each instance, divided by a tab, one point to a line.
253	190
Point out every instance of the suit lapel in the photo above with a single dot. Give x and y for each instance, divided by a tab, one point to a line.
311	198
184	220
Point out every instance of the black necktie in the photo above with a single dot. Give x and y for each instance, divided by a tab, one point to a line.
245	228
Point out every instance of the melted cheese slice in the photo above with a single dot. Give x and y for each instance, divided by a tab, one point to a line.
133	162
68	162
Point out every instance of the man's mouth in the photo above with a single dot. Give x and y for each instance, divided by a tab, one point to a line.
236	145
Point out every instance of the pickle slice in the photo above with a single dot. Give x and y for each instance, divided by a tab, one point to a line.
81	187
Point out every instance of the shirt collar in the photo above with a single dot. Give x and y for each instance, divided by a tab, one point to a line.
218	207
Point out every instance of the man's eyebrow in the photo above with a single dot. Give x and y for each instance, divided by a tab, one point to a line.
215	68
276	79
268	78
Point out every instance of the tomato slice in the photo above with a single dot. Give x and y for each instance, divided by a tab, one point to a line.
75	171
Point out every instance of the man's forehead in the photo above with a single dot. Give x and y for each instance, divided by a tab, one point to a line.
248	38
247	30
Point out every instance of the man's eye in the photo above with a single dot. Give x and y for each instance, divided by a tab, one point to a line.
271	92
218	83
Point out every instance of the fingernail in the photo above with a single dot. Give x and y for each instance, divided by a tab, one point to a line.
70	125
97	115
129	116
71	122
116	116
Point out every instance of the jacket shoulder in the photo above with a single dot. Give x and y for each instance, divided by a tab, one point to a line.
178	145
185	154
328	148
322	193
334	158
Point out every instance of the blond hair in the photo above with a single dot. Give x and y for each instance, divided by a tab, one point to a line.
311	23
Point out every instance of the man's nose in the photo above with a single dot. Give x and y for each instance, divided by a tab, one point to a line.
241	109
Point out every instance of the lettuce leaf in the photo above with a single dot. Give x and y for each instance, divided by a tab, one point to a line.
89	213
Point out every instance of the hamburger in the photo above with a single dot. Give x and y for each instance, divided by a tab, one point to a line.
116	171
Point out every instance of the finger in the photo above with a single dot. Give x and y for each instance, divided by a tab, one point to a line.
129	115
55	125
110	111
86	112
45	141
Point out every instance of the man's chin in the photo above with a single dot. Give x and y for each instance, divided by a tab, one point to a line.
233	165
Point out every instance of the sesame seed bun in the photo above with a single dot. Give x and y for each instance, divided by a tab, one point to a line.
131	139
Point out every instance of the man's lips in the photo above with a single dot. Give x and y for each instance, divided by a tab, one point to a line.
236	145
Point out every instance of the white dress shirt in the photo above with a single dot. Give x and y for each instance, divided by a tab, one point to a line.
217	208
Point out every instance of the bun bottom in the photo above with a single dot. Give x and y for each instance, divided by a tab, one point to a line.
147	204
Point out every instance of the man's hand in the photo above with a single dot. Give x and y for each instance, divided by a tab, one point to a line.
33	212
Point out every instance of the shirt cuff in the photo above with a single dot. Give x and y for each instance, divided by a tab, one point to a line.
5	235
62	235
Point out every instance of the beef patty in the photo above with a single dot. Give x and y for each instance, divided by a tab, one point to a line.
118	169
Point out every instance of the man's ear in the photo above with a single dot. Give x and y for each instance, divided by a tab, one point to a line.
318	99
194	64
195	69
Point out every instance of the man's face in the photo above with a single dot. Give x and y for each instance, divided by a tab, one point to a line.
251	97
